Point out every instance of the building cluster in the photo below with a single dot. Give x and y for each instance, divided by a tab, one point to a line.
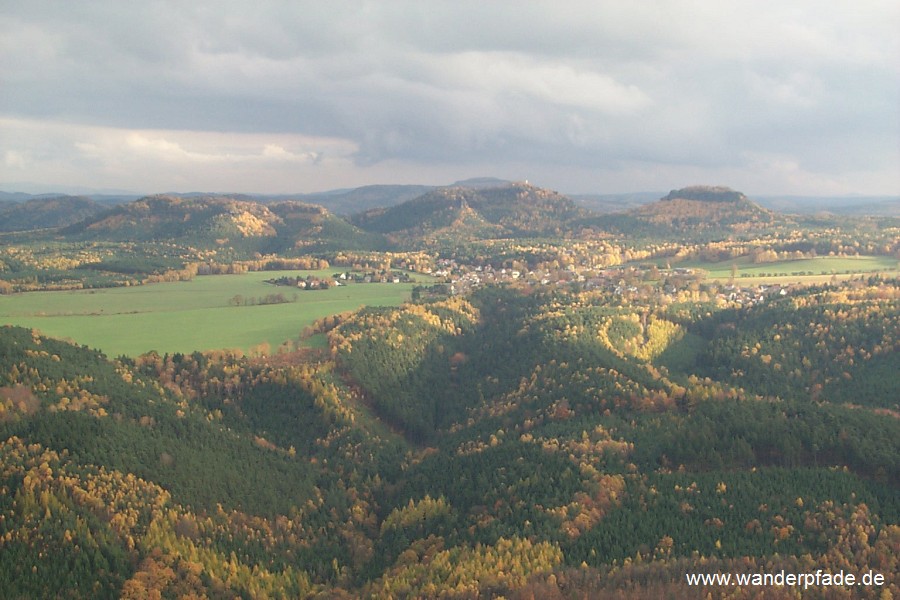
623	280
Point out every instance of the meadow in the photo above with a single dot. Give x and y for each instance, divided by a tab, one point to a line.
192	315
808	270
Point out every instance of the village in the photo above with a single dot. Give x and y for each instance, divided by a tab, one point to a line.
633	281
643	280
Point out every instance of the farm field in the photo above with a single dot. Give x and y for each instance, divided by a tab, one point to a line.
191	315
810	270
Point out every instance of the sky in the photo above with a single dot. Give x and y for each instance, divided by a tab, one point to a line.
767	97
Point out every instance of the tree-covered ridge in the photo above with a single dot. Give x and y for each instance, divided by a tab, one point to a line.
105	413
650	420
433	210
92	532
546	442
214	222
695	212
210	430
171	217
706	193
401	356
46	212
453	214
527	209
834	346
577	354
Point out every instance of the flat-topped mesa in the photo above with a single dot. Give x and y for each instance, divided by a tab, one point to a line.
706	193
697	208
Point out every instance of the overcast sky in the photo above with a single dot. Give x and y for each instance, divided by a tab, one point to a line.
782	97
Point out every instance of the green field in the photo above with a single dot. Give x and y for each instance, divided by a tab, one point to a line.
809	269
190	315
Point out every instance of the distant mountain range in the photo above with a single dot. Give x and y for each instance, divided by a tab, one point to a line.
350	201
378	217
277	225
874	206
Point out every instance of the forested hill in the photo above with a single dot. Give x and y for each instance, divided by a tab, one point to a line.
445	211
46	212
709	194
223	221
694	211
508	210
174	217
440	217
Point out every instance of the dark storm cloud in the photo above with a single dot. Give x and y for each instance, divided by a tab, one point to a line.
580	85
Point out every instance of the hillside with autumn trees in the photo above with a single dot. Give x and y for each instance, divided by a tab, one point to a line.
567	405
524	443
695	212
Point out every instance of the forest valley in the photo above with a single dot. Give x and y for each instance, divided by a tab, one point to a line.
597	426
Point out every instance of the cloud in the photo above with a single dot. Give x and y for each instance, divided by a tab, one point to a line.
429	87
153	160
274	151
551	82
15	159
244	149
